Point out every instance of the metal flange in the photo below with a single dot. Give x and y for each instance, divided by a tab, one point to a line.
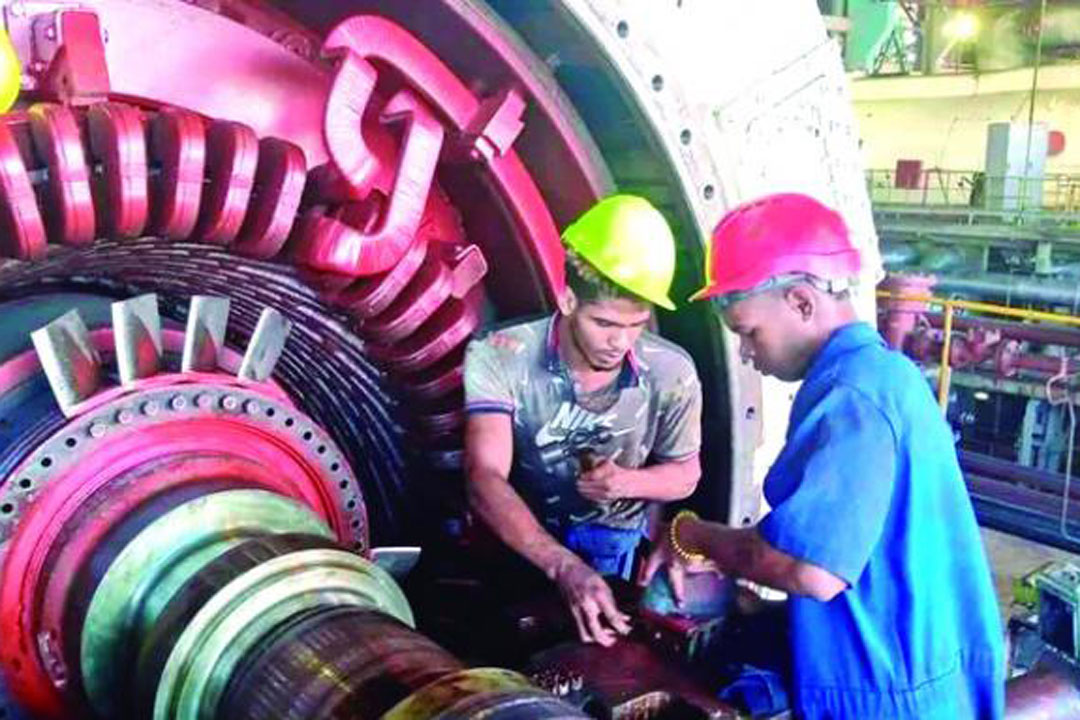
153	566
151	439
127	420
233	622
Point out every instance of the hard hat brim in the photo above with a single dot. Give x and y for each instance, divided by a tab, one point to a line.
663	302
704	293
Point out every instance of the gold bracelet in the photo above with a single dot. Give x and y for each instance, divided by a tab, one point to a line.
687	556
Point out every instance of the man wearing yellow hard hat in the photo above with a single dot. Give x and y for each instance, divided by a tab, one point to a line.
577	421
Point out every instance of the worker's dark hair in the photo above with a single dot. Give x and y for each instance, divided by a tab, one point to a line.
589	285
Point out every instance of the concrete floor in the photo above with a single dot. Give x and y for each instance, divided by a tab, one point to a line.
1012	557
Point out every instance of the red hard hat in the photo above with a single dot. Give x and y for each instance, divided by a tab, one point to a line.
777	235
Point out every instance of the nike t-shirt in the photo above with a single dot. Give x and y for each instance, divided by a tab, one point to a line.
650	414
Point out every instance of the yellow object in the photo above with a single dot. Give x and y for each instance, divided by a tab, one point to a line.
10	80
629	242
1025	591
986	308
945	373
687	556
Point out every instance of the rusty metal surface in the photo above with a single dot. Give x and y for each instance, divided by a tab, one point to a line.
478	693
337	662
630	680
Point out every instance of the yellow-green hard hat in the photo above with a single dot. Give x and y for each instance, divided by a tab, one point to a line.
10	70
629	242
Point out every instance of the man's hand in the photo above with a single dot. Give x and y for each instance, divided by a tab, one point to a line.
591	602
677	569
604	481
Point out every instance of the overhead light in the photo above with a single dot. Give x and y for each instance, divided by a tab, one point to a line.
961	27
981	395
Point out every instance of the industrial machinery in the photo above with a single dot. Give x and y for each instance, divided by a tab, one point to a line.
986	278
244	244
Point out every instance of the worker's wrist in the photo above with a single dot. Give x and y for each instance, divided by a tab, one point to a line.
628	483
680	537
641	484
558	562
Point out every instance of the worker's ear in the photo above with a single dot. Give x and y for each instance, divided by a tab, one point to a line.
567	302
800	298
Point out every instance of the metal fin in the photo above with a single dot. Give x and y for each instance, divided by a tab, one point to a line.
137	333
70	361
265	346
397	560
204	339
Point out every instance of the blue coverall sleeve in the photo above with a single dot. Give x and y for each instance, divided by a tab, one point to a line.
836	479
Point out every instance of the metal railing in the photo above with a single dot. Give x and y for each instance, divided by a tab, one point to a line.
1029	514
949	307
974	189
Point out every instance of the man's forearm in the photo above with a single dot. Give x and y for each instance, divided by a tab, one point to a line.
503	510
665	482
742	552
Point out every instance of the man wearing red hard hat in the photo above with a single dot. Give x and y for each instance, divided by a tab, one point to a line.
871	532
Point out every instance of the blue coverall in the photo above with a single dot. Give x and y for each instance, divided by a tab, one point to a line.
868	488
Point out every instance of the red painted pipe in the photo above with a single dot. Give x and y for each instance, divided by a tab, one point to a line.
1014	330
967	352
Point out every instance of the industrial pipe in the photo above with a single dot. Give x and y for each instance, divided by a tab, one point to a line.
1050	483
1023	512
1012	288
898	256
967	352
